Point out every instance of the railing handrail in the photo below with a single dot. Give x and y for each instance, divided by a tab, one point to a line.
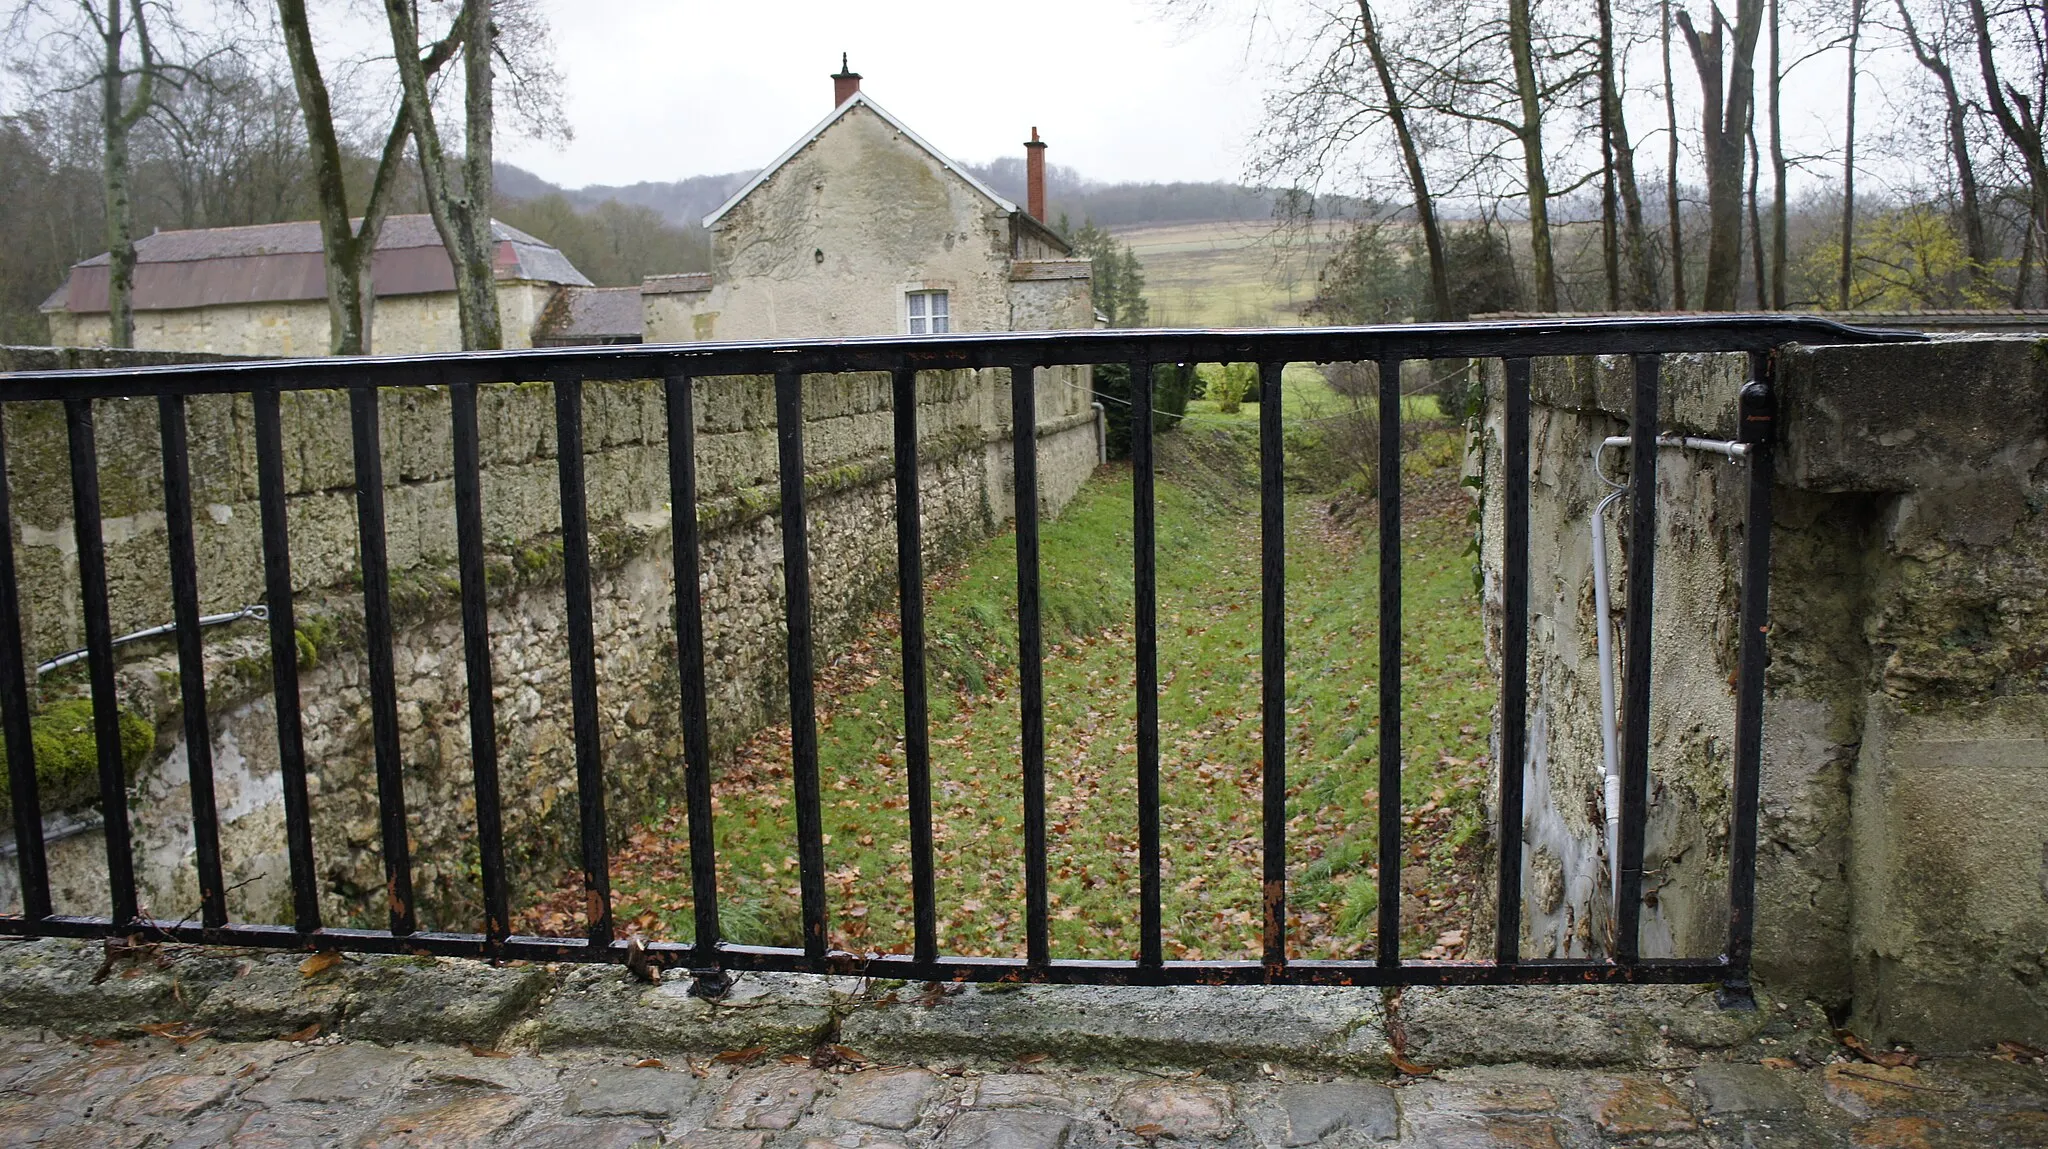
1675	334
679	366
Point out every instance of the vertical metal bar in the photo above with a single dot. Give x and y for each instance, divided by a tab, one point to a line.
378	641
796	613
29	858
1273	662
284	661
682	496
1387	945
1144	574
99	644
1642	559
916	717
1758	415
1514	690
1030	657
213	897
597	881
476	652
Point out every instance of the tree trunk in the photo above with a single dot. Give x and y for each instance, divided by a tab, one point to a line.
2021	127
1610	226
1411	156
461	215
1756	227
1849	165
1520	45
1975	244
348	247
118	116
1779	169
1724	112
1671	170
1640	280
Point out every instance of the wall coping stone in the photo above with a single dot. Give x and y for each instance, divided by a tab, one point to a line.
243	994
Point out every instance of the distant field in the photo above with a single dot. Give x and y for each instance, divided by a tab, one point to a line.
1228	273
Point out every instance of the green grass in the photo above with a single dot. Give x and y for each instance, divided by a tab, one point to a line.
1228	273
1210	742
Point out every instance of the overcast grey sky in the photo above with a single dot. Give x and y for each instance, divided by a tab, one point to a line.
659	89
665	89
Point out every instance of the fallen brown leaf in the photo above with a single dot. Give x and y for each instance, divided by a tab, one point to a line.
734	1056
2020	1052
649	1063
307	1034
319	963
1410	1068
1148	1130
1890	1059
480	1051
179	1033
1778	1063
1032	1058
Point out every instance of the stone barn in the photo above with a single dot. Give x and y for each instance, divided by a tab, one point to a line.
262	290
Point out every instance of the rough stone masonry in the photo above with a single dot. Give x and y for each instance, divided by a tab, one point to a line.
1903	857
185	1045
965	491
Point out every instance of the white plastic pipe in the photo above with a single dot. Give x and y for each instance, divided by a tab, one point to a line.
1603	630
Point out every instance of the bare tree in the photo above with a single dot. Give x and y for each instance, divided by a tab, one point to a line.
459	199
350	242
1724	116
1529	131
1396	112
1779	166
1849	161
1932	56
117	52
1632	280
1671	165
2018	112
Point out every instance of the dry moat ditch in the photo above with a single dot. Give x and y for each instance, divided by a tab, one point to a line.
1210	733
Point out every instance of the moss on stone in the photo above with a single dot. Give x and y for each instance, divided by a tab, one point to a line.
67	753
314	632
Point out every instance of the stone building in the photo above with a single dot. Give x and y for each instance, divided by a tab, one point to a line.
863	228
262	290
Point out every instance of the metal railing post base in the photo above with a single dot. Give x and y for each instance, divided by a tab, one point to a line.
1736	994
710	984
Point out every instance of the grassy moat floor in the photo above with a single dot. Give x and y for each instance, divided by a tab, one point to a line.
1210	737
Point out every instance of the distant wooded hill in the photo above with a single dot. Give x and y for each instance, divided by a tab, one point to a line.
1110	205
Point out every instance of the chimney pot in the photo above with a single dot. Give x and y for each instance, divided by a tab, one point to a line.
845	82
1034	176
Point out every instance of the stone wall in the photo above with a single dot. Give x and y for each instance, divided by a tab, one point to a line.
1903	865
284	329
966	491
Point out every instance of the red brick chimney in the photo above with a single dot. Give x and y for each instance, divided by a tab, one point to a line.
1034	176
845	82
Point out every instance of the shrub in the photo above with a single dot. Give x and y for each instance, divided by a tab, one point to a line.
1228	387
1172	385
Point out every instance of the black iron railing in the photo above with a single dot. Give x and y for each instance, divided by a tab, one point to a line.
1514	342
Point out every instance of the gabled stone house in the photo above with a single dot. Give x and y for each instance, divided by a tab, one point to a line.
863	228
262	290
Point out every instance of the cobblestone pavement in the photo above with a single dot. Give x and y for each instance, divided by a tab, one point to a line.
185	1089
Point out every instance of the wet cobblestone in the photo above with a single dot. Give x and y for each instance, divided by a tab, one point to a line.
193	1090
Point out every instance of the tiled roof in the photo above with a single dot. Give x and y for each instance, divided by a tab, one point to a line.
278	262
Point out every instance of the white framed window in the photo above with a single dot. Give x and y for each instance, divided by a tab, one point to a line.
928	312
